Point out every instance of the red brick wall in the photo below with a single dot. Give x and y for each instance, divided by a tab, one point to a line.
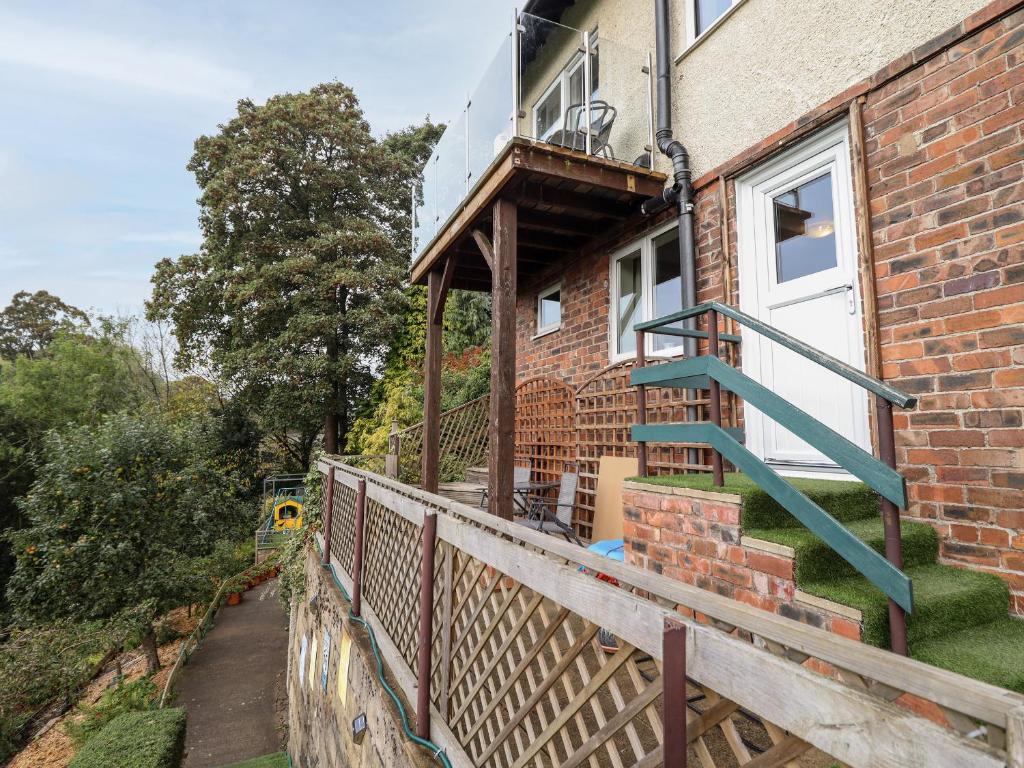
945	155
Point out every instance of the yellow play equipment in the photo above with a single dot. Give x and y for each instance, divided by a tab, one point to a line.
288	514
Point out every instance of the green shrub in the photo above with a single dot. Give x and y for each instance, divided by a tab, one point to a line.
136	696
153	739
166	632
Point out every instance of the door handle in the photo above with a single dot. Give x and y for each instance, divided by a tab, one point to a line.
851	299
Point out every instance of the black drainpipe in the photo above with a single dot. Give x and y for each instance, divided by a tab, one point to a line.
681	191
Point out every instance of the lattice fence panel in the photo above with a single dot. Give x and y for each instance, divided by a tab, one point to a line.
392	556
545	432
605	412
343	525
462	444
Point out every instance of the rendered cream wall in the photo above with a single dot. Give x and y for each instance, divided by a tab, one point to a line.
771	61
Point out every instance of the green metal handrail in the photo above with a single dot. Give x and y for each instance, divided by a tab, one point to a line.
845	370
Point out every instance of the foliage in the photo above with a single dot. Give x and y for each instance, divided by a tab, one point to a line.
134	696
296	288
81	378
119	518
292	581
44	663
137	740
32	320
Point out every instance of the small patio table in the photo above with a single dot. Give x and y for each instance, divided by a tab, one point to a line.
521	493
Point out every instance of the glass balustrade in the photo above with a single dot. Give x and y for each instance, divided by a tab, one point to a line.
550	83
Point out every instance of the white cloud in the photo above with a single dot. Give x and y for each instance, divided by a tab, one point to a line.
83	53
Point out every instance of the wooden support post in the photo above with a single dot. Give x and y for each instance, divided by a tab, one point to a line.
673	681
501	462
328	516
641	404
426	626
357	553
1015	738
891	523
716	398
432	386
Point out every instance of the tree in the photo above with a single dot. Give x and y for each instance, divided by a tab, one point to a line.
298	284
120	516
32	320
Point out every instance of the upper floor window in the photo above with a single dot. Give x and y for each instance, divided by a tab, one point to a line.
702	15
646	283
549	309
565	93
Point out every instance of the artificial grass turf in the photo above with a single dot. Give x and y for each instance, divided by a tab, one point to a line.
276	760
946	600
845	501
817	561
990	652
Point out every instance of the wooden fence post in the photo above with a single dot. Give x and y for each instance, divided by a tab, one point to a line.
716	398
426	625
673	692
392	461
357	549
891	523
1015	738
328	516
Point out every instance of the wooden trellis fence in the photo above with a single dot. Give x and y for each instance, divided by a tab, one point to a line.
463	441
515	674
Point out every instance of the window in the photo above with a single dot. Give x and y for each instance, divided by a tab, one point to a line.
805	232
702	15
549	309
565	92
646	282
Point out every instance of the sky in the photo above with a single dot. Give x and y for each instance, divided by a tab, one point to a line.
101	101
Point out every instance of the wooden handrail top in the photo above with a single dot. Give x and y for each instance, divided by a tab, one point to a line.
848	372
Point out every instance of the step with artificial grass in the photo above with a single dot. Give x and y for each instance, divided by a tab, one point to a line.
845	501
817	561
946	600
990	653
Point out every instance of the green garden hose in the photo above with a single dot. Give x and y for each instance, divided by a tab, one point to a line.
437	751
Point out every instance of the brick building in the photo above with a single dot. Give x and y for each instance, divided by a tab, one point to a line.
858	186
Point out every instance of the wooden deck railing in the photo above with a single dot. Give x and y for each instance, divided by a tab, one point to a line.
515	674
462	443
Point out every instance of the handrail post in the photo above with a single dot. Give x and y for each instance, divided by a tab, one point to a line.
891	523
426	625
641	404
716	398
357	548
328	517
673	686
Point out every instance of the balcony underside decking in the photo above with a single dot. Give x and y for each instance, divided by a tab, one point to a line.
564	199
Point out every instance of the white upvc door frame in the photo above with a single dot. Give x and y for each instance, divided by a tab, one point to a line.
827	151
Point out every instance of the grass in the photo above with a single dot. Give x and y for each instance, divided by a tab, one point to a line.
990	652
276	760
136	740
817	561
845	501
946	600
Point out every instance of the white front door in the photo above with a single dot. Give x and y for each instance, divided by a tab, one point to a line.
798	272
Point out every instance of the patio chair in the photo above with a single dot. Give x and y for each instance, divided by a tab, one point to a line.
573	133
555	516
520	476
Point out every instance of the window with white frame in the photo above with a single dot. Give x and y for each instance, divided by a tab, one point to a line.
646	283
549	309
565	92
702	15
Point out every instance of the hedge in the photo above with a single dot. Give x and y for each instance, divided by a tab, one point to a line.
154	739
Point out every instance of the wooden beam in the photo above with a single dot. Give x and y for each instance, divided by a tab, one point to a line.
503	361
432	384
437	310
486	249
540	197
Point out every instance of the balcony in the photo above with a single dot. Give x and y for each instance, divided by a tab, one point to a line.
561	124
